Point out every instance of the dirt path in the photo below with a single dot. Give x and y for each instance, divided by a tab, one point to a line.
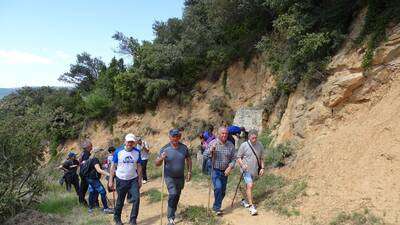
196	193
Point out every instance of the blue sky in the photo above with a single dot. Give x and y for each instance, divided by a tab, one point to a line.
40	39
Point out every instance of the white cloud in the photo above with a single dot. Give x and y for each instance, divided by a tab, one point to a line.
18	57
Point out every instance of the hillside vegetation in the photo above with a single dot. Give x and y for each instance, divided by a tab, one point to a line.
295	39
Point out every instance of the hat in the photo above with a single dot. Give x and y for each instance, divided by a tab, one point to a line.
174	132
130	137
71	154
138	138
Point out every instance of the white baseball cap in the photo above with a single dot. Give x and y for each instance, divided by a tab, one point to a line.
130	137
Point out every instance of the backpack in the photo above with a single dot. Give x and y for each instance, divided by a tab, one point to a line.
85	168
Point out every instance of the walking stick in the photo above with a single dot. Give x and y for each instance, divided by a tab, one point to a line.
162	193
237	187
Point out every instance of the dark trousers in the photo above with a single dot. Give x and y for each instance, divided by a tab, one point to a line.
73	179
144	169
83	189
98	188
174	186
123	187
219	182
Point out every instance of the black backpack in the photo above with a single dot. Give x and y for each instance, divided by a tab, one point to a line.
85	168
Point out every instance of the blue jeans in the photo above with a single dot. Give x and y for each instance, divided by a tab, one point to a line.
98	188
123	188
219	182
174	186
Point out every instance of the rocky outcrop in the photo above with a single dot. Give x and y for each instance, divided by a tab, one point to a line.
340	87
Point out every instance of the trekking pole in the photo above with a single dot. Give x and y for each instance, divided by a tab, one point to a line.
162	193
237	187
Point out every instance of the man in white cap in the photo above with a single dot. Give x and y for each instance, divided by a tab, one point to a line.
126	166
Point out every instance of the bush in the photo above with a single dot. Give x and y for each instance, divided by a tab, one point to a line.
218	105
357	218
277	155
98	105
283	199
199	215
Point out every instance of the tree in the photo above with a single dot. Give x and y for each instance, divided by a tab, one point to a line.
84	73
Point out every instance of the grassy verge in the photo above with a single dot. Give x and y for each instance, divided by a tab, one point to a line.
198	215
57	201
283	199
154	195
357	218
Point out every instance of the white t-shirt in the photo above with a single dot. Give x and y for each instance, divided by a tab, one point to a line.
126	162
144	154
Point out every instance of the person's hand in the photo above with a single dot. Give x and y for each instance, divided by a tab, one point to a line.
140	182
244	167
111	184
188	176
163	155
261	173
212	149
228	171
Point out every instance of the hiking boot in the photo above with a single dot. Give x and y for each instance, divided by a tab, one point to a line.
244	203
108	211
144	181
253	210
171	221
132	223
218	213
90	211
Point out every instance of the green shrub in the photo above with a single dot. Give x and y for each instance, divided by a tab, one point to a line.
283	199
198	215
277	155
154	195
98	105
58	203
218	105
357	218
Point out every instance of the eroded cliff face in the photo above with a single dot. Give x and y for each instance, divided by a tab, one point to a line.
346	130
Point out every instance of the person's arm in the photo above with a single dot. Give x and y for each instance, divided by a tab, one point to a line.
112	174
262	170
189	168
160	158
232	160
240	157
61	167
99	170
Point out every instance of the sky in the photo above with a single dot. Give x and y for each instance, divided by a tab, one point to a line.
40	39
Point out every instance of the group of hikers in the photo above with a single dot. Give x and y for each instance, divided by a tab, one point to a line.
125	169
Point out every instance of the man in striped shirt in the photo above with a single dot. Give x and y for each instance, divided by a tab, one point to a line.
223	157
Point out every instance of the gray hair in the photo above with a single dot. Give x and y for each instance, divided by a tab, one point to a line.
253	132
222	128
85	144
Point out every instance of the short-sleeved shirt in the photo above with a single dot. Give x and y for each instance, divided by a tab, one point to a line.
175	161
144	154
69	165
246	154
93	174
224	156
126	162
